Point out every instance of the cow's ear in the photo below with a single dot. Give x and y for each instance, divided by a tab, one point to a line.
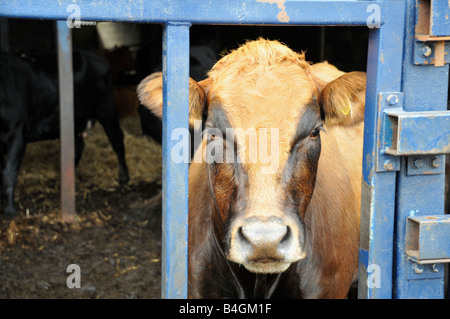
342	100
150	94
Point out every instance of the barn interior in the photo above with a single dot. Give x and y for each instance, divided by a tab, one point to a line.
116	236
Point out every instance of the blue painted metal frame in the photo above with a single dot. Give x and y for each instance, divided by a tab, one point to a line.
427	238
66	115
425	89
384	69
175	175
440	24
390	69
310	12
415	133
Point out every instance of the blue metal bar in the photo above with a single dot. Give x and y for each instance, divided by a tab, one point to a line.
425	89
66	116
420	133
440	25
388	197
312	12
427	238
175	174
384	67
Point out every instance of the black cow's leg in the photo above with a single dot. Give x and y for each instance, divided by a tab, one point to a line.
14	157
115	136
2	164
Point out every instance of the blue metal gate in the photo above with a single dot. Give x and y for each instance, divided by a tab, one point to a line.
404	234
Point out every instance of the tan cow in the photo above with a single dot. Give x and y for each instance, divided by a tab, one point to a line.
290	231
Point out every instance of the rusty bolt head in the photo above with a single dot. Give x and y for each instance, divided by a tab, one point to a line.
425	51
435	162
417	163
392	99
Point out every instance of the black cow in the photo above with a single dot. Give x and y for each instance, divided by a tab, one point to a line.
29	110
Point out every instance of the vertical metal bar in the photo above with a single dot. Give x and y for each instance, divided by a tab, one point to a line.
66	117
175	173
425	89
4	35
384	68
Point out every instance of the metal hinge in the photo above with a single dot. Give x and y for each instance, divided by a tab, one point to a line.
427	239
421	136
427	245
386	162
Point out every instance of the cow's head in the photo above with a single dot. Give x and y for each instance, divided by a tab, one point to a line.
271	98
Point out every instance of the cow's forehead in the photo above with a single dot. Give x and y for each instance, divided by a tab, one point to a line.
263	84
275	98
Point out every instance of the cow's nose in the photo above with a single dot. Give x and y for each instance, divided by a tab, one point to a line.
266	244
264	241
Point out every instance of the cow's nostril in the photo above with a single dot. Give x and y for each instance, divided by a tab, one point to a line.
287	236
244	242
241	235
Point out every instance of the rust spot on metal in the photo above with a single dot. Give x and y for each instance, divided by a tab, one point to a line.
282	15
424	15
427	38
439	53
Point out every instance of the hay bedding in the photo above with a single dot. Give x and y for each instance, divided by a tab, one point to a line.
115	238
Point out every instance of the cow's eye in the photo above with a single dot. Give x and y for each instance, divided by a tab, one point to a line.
212	133
315	133
214	146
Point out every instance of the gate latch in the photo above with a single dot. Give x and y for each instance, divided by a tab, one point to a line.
421	136
427	239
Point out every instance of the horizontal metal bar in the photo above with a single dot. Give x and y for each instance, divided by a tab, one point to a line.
429	261
425	38
316	12
418	133
427	238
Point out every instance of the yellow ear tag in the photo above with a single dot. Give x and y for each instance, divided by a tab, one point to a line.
347	110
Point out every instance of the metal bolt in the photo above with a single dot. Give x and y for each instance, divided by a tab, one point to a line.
417	269
388	165
392	99
425	51
435	162
417	163
434	269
